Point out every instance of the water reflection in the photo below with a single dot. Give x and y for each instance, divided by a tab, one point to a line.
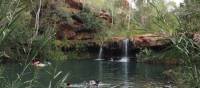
100	64
125	68
124	75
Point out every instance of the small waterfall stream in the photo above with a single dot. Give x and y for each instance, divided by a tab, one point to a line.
125	57
100	54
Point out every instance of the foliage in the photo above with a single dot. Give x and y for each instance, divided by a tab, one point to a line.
187	45
20	40
56	78
9	25
188	49
190	15
164	56
91	22
178	24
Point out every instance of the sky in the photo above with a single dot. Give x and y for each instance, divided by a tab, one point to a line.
133	5
176	1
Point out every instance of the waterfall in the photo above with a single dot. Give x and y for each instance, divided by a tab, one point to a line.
100	53
125	57
125	42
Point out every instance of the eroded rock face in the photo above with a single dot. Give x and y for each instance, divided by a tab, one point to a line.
65	31
76	28
115	49
85	36
150	40
145	40
76	4
70	24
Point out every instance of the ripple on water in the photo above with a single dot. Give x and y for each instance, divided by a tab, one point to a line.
123	75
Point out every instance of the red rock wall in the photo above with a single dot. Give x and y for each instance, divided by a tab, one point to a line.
77	4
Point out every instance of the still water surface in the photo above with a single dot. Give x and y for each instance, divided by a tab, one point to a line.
122	75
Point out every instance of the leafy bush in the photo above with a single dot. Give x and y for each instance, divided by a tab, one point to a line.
90	20
19	40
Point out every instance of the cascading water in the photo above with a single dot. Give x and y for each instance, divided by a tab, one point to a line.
100	53
125	57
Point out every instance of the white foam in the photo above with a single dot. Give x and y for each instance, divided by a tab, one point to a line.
99	59
124	59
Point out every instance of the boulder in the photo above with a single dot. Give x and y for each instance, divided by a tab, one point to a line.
105	15
196	38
